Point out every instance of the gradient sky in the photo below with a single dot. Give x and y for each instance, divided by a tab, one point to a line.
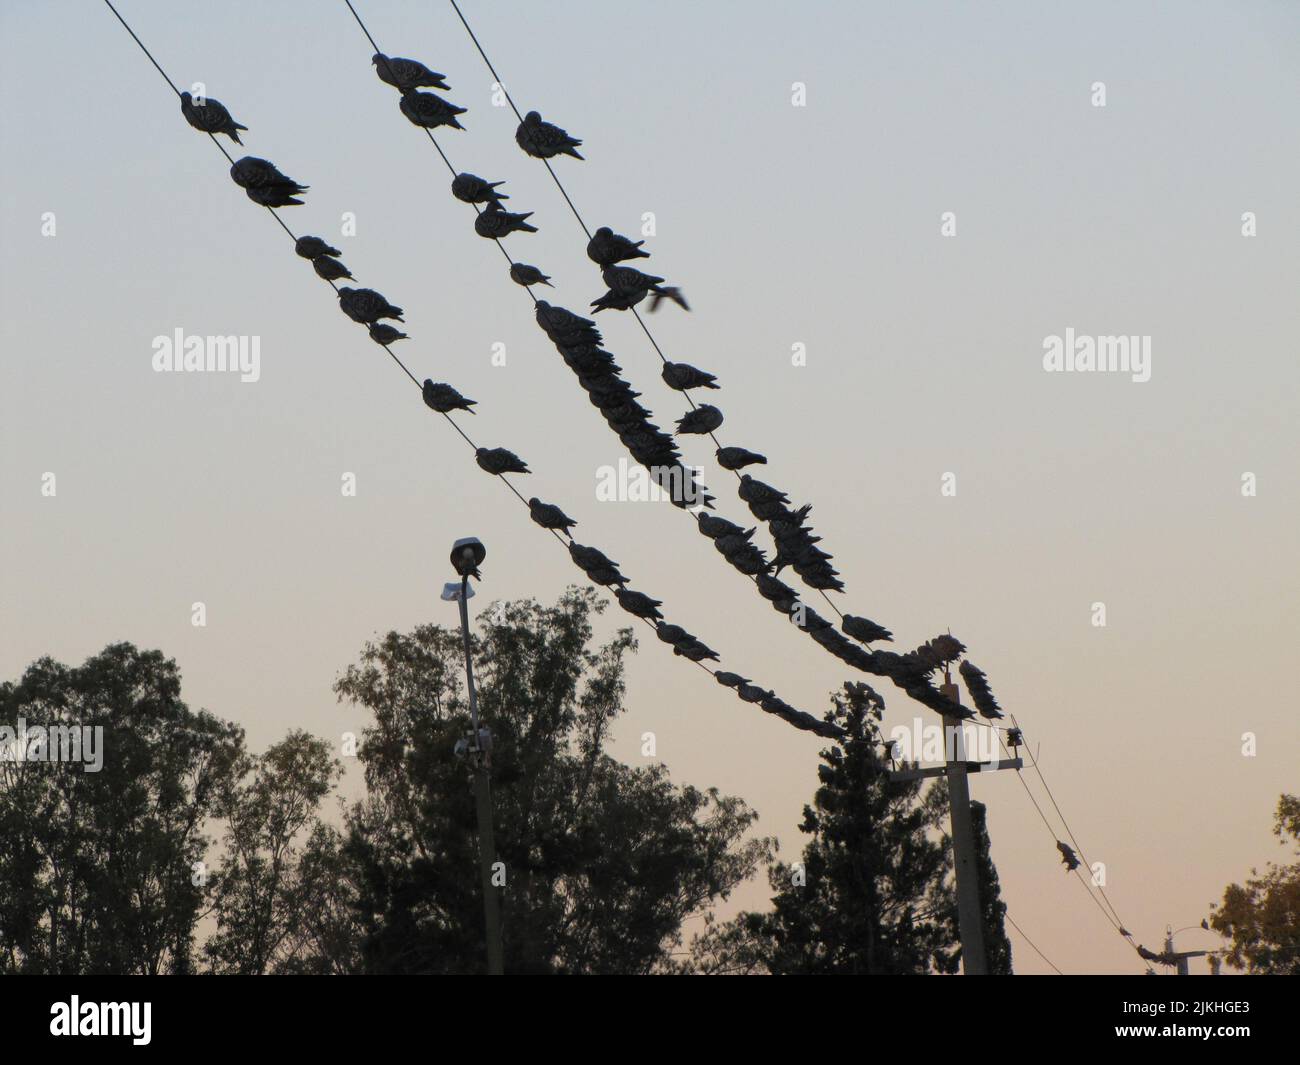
817	225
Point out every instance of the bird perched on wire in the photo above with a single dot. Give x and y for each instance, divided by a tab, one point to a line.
1068	856
596	565
251	172
730	680
695	650
523	274
330	269
542	140
633	285
701	421
210	116
272	196
383	333
470	188
444	398
494	222
499	460
313	248
608	247
366	306
752	693
864	629
406	75
618	301
549	516
752	491
639	604
429	111
737	458
683	376
980	692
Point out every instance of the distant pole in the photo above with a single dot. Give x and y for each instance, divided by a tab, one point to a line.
1180	957
487	854
965	870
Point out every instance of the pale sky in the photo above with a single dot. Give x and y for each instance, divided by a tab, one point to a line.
817	225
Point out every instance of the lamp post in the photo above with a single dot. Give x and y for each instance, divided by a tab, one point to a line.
467	555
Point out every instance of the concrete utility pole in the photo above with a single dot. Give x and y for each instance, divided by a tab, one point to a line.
1179	957
466	555
970	921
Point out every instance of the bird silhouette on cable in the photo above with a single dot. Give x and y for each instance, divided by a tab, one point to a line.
330	269
737	458
313	248
632	285
683	377
406	75
701	421
429	111
366	306
549	516
251	173
730	680
210	116
980	692
542	140
608	247
444	398
523	274
1068	857
383	333
752	693
495	222
470	188
864	629
499	460
639	604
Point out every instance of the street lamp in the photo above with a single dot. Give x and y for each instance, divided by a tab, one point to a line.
467	555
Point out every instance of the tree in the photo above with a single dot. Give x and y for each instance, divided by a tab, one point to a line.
264	893
602	861
1262	918
100	868
997	946
870	895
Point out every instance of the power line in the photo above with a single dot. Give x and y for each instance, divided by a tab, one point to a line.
555	533
1032	944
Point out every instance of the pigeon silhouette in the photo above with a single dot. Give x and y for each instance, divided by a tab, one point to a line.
499	460
542	140
737	458
251	172
330	269
608	247
696	651
444	399
981	694
210	116
730	680
383	333
429	111
494	222
366	306
470	188
406	74
313	248
1068	857
701	421
864	629
617	301
523	274
639	604
549	516
683	377
272	196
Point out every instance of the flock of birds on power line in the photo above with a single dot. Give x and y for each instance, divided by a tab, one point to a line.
913	671
267	186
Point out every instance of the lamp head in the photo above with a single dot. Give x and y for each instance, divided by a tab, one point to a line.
467	555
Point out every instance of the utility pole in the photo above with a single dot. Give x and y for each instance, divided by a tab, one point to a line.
466	555
970	921
1179	957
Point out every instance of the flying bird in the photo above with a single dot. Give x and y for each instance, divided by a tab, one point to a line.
1068	857
470	188
549	516
366	306
683	377
737	458
542	140
383	333
632	286
406	74
251	172
608	247
210	117
429	111
639	604
667	292
313	248
702	420
523	274
499	460
444	399
330	269
494	222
